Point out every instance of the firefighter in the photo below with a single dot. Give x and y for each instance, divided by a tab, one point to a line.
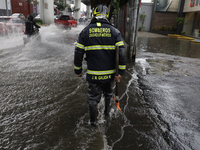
98	41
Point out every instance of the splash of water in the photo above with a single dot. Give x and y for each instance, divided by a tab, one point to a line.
11	40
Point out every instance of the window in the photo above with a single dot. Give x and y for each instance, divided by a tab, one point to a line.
4	19
65	18
17	20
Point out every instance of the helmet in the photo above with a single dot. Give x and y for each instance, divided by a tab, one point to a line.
101	10
30	17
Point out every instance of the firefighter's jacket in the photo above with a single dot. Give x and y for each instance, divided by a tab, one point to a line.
98	41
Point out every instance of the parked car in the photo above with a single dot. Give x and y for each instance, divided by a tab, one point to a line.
66	21
19	15
56	17
37	17
10	24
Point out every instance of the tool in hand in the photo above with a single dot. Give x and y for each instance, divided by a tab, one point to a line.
116	96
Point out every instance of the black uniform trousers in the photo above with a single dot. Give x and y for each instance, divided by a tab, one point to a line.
95	91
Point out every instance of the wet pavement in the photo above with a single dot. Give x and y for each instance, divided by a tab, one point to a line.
43	103
150	35
170	82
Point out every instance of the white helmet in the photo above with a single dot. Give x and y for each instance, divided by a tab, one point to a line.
101	11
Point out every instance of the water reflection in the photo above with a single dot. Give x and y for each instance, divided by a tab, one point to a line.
169	73
171	46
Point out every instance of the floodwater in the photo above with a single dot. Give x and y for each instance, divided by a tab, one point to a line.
43	103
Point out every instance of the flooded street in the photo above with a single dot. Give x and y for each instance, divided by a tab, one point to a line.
170	79
43	104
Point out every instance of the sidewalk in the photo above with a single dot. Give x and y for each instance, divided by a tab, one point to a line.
149	34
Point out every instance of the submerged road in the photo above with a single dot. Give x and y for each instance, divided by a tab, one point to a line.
43	103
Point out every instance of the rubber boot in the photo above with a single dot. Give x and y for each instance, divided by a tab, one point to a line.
93	113
107	107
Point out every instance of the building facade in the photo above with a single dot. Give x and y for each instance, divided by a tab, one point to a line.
146	9
5	8
192	18
21	6
164	16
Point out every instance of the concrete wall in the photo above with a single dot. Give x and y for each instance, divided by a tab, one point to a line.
147	8
88	10
19	6
47	11
77	14
189	19
161	19
3	11
174	6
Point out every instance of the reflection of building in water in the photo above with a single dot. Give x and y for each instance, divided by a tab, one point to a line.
192	18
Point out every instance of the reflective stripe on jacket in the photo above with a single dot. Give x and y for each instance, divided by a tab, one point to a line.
98	41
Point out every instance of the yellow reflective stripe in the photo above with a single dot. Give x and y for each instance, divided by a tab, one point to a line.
80	46
98	24
120	43
77	68
122	67
101	15
97	47
105	72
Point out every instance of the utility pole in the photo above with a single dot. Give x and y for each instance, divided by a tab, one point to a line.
6	8
135	15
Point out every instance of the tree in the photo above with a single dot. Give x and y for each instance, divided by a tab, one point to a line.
120	3
73	9
61	6
35	2
142	18
180	20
